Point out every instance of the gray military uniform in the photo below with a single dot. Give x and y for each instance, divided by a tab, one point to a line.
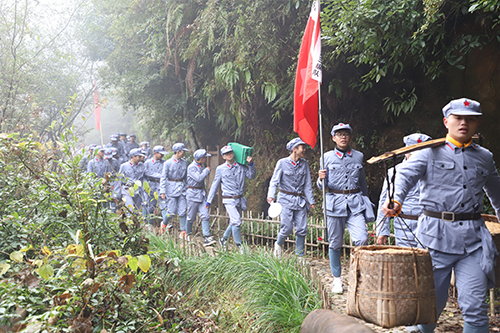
452	180
295	195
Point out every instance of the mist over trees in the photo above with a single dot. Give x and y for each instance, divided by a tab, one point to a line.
209	72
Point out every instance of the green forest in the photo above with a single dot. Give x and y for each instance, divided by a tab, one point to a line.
203	72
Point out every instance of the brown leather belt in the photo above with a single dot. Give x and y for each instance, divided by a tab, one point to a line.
408	217
175	180
231	196
301	194
196	188
450	216
356	190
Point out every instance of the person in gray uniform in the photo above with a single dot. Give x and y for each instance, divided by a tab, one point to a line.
403	230
132	144
114	181
87	155
144	145
231	177
123	143
196	195
152	174
405	226
347	202
130	172
296	196
452	178
98	165
173	187
115	144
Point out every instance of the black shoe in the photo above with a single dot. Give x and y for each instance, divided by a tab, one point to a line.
222	241
209	241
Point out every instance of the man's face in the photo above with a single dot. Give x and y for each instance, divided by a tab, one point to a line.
141	158
300	150
135	159
228	156
100	154
123	137
342	139
461	128
180	153
202	160
132	139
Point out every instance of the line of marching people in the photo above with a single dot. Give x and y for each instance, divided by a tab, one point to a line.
171	187
438	191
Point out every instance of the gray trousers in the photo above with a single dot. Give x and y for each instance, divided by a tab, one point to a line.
293	218
356	225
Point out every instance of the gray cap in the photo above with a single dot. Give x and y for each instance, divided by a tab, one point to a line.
462	107
159	149
341	126
136	152
200	153
144	143
415	138
226	149
108	153
178	147
294	143
113	137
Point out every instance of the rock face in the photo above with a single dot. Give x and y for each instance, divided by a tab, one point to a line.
327	321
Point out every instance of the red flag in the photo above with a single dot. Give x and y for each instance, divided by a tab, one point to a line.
97	109
307	80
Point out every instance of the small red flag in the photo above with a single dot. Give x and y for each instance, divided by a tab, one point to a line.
306	80
97	108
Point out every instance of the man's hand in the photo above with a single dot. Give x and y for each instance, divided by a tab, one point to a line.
381	240
391	211
249	159
322	174
209	169
313	206
207	204
270	200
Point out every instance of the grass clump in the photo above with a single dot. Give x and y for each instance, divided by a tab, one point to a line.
250	292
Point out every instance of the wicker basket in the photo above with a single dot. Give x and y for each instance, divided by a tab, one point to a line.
494	228
391	286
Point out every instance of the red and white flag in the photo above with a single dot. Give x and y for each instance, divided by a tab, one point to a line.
97	108
307	80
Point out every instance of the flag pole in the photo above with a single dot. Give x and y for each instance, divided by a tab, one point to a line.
322	163
100	130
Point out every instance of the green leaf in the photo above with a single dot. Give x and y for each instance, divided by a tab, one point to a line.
132	263
16	256
131	191
46	271
144	262
145	184
4	267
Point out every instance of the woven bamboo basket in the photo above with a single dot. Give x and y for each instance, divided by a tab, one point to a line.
391	286
494	228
